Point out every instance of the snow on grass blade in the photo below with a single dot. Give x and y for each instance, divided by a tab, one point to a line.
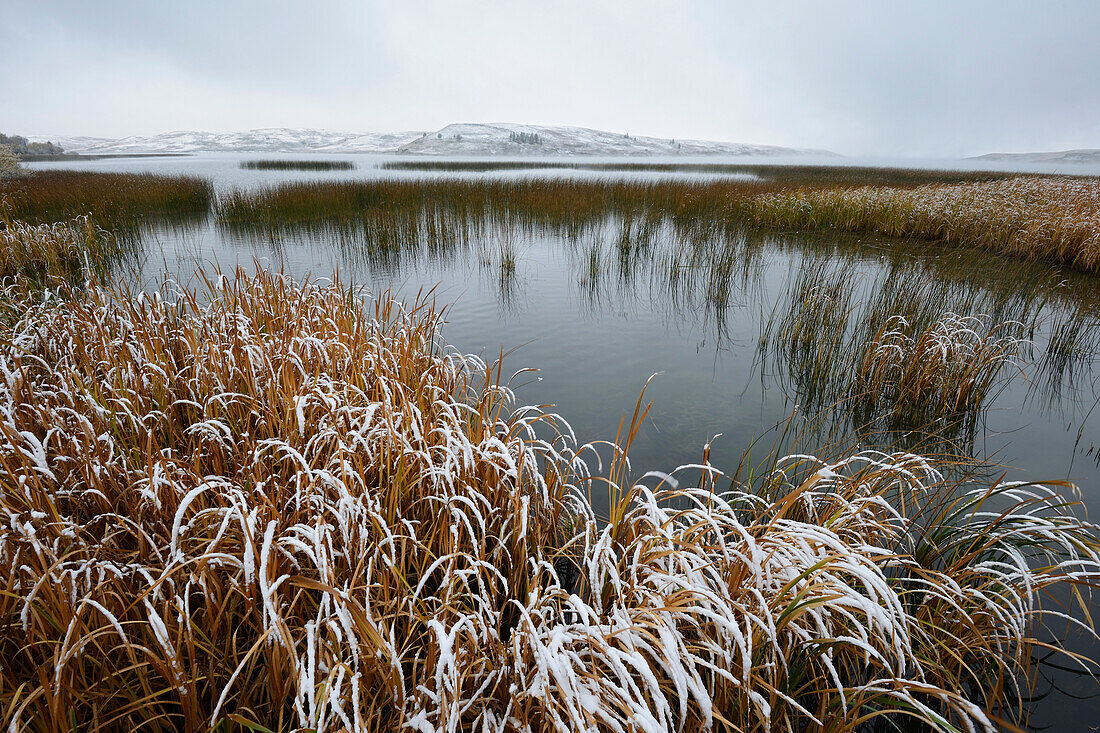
274	505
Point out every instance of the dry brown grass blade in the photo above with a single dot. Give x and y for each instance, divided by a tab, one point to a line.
271	503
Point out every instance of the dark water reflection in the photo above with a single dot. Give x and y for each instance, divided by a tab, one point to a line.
599	309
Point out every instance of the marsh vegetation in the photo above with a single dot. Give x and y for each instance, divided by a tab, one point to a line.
1056	219
44	252
788	174
280	501
1033	217
114	201
910	354
298	165
303	511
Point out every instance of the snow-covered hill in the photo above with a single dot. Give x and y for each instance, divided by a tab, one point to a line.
511	139
1061	156
267	140
461	139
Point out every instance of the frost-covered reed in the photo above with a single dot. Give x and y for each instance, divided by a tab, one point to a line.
904	356
66	249
946	368
1031	217
270	504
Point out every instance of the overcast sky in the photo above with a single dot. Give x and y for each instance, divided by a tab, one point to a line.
876	77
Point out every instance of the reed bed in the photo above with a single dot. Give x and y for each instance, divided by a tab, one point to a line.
69	250
488	166
273	505
947	368
788	174
689	243
907	355
1055	219
298	165
1029	217
549	202
114	201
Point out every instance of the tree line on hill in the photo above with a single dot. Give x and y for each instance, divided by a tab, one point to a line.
21	146
525	138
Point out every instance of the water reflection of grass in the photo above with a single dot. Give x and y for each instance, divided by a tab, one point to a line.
301	510
1073	344
810	337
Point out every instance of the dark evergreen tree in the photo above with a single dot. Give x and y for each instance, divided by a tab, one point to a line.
525	138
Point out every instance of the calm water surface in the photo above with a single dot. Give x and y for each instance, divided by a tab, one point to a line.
598	321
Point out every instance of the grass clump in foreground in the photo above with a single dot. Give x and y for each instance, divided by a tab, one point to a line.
298	165
114	201
268	504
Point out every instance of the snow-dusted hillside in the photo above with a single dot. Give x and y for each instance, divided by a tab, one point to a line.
461	139
1061	156
267	140
512	139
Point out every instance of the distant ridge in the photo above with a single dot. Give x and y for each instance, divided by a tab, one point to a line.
458	139
1084	155
263	140
536	140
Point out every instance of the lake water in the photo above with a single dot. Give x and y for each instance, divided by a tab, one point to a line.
598	319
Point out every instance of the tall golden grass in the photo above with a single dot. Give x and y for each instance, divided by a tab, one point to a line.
271	505
64	250
1030	217
1050	218
943	369
111	200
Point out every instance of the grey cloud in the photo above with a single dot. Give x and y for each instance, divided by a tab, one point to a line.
930	78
